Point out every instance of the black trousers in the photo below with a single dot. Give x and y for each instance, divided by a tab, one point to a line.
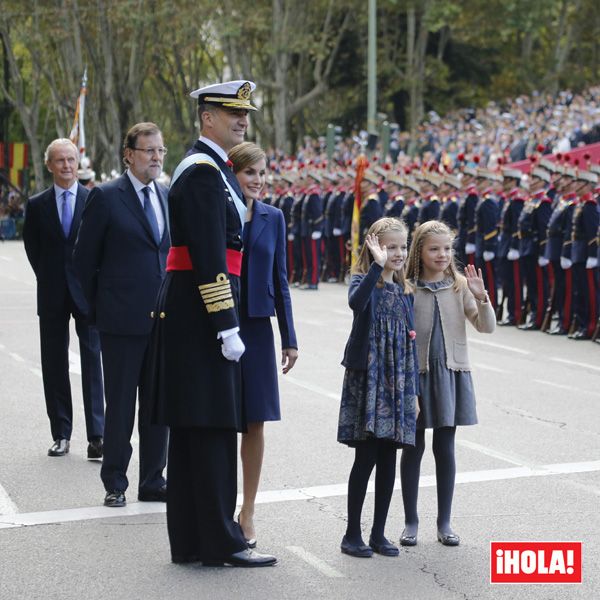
201	494
122	359
54	343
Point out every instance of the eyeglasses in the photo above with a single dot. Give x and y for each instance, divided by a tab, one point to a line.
151	151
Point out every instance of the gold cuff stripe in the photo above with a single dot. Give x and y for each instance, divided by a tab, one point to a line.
490	235
218	306
472	230
221	296
221	288
207	297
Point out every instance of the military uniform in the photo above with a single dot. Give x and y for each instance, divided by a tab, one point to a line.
195	378
486	242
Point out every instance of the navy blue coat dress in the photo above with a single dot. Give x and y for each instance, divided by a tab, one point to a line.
264	293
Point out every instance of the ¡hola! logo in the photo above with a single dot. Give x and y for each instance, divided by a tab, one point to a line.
535	562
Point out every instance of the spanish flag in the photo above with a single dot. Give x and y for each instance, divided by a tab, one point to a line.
361	164
77	135
17	162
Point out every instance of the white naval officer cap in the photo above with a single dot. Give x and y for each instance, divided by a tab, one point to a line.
228	94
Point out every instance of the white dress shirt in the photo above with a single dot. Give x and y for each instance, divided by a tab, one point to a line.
214	147
138	186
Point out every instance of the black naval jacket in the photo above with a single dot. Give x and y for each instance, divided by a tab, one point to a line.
194	384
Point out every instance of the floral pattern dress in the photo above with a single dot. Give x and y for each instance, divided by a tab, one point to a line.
380	402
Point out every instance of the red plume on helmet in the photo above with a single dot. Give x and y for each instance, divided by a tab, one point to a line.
460	157
559	156
476	159
567	158
540	148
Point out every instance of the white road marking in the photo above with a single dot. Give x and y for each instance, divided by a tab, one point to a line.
6	258
36	371
489	368
501	346
314	561
310	387
7	506
506	457
575	362
290	495
569	388
17	357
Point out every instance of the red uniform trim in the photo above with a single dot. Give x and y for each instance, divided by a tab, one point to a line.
567	305
491	283
517	282
593	309
539	315
179	259
315	275
290	260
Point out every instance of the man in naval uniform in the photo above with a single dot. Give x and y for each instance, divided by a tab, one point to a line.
196	346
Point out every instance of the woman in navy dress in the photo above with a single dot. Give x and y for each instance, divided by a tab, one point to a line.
264	293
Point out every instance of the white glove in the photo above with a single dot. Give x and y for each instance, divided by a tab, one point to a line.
337	231
316	235
233	347
565	263
543	261
291	237
513	254
487	256
591	262
470	248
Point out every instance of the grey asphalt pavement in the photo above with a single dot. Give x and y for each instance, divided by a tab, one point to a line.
530	470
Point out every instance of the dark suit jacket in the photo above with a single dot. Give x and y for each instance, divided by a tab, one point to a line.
119	264
50	252
267	290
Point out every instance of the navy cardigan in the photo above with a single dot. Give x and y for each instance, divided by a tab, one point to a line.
363	297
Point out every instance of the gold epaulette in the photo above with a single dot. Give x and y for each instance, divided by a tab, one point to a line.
472	230
490	235
217	295
206	162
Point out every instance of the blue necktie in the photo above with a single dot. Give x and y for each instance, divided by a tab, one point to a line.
150	214
66	215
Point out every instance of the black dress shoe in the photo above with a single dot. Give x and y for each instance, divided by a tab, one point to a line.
59	448
244	558
448	539
159	495
408	540
115	499
94	450
385	549
358	550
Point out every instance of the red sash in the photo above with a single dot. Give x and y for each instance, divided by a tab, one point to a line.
179	259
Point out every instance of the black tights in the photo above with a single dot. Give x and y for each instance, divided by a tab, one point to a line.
368	454
445	473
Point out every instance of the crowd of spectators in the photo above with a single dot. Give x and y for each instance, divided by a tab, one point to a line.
12	210
501	132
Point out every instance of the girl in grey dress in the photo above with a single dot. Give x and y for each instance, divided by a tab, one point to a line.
444	301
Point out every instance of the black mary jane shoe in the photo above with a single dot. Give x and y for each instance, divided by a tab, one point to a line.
408	540
357	550
385	549
448	539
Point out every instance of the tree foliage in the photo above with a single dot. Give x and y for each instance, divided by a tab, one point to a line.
308	58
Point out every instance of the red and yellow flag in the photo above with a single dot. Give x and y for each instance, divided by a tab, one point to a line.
361	164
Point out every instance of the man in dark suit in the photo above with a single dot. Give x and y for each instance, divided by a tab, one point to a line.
120	256
51	223
196	345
